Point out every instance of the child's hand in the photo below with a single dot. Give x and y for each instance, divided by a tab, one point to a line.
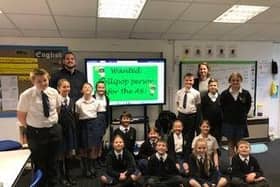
178	166
122	176
259	179
186	167
250	178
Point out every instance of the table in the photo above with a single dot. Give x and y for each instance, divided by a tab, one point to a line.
258	129
12	165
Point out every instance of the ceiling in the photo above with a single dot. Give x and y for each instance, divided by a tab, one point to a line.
160	19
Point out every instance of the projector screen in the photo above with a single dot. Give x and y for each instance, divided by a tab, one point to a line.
129	81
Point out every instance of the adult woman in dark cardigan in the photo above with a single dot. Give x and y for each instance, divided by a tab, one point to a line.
201	84
203	76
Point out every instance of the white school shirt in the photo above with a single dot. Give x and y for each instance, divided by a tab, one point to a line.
213	97
30	101
211	141
178	142
235	94
102	102
193	99
86	109
243	158
164	156
62	100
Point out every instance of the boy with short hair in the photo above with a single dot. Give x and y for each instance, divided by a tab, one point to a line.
162	169
188	100
127	132
245	168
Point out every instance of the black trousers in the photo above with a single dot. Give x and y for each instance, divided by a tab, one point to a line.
44	144
189	123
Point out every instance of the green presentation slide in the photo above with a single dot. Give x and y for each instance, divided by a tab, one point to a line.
128	83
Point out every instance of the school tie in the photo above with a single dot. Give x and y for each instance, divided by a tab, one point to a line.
201	162
246	161
65	102
161	160
119	156
46	104
185	100
125	130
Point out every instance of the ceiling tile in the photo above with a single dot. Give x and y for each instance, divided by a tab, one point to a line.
186	27
41	33
76	23
77	34
146	35
269	16
151	26
105	24
74	7
163	10
32	21
257	2
25	7
218	28
205	37
10	32
245	29
5	22
204	12
119	35
217	1
176	36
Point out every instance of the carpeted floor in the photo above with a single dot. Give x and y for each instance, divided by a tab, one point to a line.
269	161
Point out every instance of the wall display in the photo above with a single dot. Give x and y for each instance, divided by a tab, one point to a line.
129	81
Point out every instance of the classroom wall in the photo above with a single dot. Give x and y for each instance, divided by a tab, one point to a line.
263	52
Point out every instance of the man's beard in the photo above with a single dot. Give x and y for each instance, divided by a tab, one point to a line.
70	67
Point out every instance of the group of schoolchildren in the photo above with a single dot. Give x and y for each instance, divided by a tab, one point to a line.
179	160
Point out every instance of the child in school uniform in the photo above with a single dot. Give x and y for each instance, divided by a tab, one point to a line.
102	115
127	132
162	170
91	130
120	166
69	141
211	109
212	144
236	103
147	149
245	168
188	100
37	111
202	169
178	147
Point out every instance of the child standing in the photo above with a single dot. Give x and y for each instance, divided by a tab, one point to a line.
187	101
91	130
120	166
236	103
69	141
127	132
37	111
212	144
245	168
211	109
178	147
147	149
202	169
162	169
102	114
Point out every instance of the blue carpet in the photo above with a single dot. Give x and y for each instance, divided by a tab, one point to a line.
255	148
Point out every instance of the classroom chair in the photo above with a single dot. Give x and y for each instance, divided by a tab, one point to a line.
37	176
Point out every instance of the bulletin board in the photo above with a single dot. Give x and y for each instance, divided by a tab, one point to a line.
16	62
221	70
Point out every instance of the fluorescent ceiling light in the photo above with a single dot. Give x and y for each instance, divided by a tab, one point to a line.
240	13
129	9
